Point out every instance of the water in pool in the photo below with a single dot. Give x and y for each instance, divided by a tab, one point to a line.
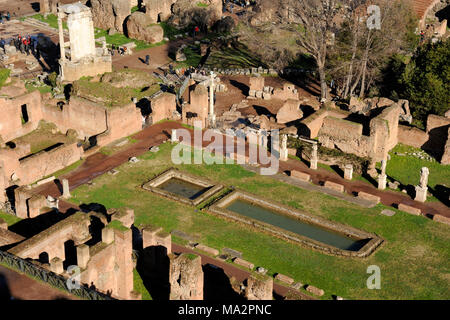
269	216
183	188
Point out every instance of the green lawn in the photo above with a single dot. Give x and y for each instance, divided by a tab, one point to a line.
232	58
413	260
406	168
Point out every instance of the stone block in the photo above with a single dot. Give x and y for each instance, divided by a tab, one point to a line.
285	279
409	209
207	249
107	235
441	218
300	175
56	265
334	186
244	263
314	290
368	196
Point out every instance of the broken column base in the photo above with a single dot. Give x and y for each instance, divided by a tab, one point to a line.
382	178
421	193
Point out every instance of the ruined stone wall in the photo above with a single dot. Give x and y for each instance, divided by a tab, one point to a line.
163	107
446	152
197	109
44	163
11	125
344	135
123	121
85	117
435	121
411	136
110	266
186	277
384	131
72	71
51	240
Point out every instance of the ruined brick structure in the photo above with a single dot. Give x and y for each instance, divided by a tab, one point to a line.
186	277
85	58
105	263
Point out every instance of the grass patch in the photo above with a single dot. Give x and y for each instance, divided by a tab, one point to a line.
413	260
112	95
51	19
139	286
4	75
9	218
406	168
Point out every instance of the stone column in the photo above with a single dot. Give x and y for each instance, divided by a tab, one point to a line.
212	115
422	188
348	172
66	190
61	37
314	157
173	137
382	177
283	149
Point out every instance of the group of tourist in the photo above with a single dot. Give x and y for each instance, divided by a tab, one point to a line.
120	50
4	17
26	44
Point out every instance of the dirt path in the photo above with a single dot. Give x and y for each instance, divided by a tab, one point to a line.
35	290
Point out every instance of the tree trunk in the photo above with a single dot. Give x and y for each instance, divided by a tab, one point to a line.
323	83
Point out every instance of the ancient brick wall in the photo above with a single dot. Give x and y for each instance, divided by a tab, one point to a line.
52	239
411	136
44	163
11	125
163	107
85	117
186	277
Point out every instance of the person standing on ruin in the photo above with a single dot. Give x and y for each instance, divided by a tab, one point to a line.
147	59
8	16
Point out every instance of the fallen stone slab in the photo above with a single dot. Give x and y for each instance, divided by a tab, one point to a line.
409	209
314	290
441	218
284	278
233	253
244	263
368	196
207	249
334	186
387	212
133	160
183	235
300	175
261	270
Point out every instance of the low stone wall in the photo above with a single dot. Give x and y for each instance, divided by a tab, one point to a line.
44	163
218	208
409	209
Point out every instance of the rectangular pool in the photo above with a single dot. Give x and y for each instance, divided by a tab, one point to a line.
260	213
